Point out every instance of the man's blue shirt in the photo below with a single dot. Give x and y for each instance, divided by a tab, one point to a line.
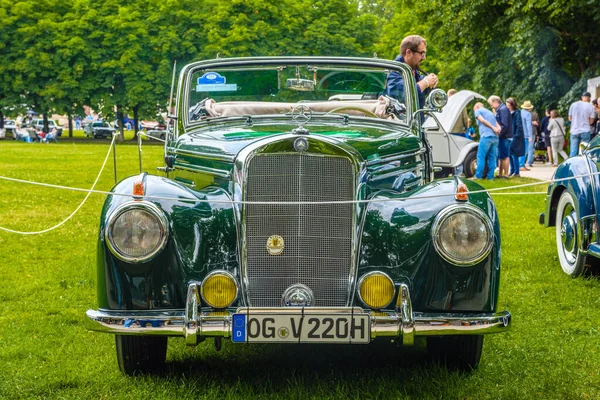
527	127
395	85
484	130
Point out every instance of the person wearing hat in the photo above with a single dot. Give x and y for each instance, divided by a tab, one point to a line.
581	115
526	161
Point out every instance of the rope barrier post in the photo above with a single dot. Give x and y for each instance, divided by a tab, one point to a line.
114	146
139	137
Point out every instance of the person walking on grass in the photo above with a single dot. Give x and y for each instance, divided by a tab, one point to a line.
517	147
526	161
545	134
505	137
581	115
487	152
556	126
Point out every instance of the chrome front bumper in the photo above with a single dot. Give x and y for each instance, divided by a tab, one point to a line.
195	325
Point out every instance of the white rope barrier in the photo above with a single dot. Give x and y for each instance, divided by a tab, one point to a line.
89	192
151	137
493	191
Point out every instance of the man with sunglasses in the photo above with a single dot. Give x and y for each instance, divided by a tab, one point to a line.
413	50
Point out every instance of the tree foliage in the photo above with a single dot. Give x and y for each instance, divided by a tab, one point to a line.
57	56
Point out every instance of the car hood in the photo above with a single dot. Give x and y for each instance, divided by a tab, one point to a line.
452	110
225	141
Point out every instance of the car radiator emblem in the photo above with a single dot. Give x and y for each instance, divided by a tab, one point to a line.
298	295
275	245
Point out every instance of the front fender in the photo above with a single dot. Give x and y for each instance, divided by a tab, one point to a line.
397	240
202	238
464	152
581	188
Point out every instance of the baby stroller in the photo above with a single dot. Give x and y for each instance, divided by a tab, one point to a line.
540	150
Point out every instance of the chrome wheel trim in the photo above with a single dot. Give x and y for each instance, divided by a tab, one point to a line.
566	234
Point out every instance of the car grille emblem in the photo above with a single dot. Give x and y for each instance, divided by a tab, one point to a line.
301	145
298	295
275	245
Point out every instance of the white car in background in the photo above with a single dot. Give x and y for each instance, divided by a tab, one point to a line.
453	153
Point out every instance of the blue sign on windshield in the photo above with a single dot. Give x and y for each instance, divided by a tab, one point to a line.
214	82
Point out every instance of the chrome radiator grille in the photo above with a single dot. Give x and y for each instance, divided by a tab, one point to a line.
317	238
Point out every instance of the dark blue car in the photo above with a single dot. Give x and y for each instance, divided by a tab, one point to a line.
572	207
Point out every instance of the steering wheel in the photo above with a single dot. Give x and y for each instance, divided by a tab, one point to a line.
354	108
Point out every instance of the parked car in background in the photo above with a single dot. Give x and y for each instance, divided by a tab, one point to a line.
283	217
153	125
572	207
9	129
38	124
453	152
156	133
99	130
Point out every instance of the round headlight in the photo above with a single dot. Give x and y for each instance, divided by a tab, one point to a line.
136	231
376	290
462	235
219	289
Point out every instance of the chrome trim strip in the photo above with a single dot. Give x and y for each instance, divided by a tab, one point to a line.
404	306
195	325
398	172
206	170
386	160
152	209
192	309
199	154
447	212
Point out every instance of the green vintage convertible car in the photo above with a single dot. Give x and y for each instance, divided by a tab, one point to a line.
291	210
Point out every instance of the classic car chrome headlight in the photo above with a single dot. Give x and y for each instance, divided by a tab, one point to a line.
137	231
462	235
219	289
376	289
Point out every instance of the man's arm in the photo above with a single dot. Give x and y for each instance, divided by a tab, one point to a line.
496	128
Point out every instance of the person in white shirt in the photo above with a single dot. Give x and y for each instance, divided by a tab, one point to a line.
581	115
556	126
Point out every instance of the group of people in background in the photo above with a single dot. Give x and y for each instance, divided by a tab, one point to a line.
508	136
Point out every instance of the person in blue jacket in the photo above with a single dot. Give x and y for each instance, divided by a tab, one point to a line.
517	147
413	50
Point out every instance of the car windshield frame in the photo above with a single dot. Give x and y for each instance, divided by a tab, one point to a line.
191	71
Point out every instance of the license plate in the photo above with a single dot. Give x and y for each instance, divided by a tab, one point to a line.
322	328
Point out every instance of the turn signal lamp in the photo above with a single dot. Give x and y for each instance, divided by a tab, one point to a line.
376	290
138	188
462	193
219	289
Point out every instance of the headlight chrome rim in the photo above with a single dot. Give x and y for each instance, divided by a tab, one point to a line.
220	272
153	210
455	209
368	274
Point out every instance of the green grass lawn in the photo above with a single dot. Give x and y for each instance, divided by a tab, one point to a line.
47	282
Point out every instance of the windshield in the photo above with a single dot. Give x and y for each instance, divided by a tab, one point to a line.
278	89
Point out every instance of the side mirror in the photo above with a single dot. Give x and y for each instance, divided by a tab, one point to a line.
436	100
582	147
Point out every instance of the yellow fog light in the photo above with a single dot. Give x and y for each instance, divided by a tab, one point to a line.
376	290
219	289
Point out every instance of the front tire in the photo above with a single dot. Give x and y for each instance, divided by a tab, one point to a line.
571	260
470	164
141	354
457	352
